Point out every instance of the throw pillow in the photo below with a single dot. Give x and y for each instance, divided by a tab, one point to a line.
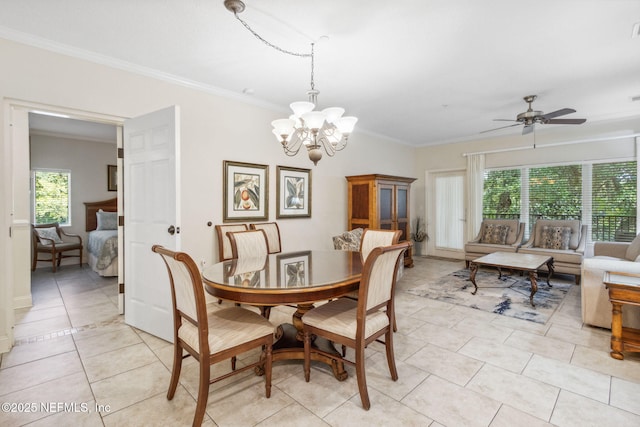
555	237
495	234
634	249
107	220
349	240
48	233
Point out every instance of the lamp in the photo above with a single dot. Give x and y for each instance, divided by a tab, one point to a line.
326	130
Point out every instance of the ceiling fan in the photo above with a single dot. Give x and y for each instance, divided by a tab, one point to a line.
530	117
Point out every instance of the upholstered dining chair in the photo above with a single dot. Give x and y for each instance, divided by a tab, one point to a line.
210	335
250	244
272	231
52	240
224	245
357	323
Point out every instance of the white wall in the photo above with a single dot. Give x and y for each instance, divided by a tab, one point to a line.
87	161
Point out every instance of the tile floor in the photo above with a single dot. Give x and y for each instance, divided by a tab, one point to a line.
457	367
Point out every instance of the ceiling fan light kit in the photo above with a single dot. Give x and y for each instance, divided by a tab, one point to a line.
317	130
532	117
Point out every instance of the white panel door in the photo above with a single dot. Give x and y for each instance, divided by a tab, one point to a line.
448	213
151	210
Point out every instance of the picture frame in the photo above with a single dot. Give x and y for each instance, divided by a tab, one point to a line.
245	191
293	192
112	178
294	269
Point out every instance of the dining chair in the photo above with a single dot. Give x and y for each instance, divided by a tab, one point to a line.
250	244
52	240
357	323
224	245
210	334
371	239
272	231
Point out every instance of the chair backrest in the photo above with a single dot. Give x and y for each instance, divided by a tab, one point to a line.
373	238
574	224
48	231
272	231
379	275
248	244
224	245
187	294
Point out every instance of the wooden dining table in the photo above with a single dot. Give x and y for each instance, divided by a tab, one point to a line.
296	278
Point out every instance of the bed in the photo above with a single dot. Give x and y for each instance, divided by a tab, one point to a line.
102	236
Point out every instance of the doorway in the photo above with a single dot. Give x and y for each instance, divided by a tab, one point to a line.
446	207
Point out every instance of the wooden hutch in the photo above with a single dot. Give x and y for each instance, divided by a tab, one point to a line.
381	202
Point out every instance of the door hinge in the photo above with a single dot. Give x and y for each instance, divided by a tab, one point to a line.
121	288
121	153
121	220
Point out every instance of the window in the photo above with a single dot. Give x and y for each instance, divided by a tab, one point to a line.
602	195
51	196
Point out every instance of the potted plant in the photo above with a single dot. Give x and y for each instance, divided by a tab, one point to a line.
419	235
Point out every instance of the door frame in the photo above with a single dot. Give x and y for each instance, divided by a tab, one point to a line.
15	255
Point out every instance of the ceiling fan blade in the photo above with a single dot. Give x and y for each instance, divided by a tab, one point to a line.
565	121
527	129
504	120
503	127
558	113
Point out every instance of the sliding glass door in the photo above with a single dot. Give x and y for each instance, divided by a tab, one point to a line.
447	210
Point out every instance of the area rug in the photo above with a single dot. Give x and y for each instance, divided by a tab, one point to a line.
508	296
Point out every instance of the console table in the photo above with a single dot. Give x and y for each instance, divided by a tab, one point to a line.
624	288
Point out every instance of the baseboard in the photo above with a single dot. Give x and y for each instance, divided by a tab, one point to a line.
5	344
22	302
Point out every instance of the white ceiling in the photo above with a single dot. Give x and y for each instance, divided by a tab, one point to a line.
419	71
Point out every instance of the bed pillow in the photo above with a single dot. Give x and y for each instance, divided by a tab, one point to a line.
107	220
555	237
48	233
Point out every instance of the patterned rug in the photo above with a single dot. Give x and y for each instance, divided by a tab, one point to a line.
508	296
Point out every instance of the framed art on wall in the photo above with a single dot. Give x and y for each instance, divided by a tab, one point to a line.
293	192
112	178
245	190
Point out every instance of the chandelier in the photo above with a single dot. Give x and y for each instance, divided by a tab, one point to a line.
316	130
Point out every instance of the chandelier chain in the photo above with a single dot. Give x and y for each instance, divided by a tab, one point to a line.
279	49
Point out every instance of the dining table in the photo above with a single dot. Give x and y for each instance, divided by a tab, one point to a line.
299	278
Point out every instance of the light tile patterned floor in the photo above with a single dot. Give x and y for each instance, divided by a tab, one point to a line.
457	367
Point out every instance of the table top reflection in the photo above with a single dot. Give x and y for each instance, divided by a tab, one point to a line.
285	278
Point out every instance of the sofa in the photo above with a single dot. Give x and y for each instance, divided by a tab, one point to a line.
496	235
608	256
564	240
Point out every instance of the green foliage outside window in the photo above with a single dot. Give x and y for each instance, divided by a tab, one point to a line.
51	197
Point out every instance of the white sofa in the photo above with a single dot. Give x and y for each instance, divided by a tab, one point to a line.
608	256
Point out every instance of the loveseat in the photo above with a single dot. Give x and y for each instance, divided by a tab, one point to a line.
564	240
608	256
496	235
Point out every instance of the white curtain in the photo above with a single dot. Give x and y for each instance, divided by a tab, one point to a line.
475	181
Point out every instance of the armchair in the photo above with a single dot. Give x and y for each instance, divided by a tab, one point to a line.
51	239
564	240
491	238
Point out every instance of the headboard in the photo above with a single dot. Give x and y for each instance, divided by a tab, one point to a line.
91	222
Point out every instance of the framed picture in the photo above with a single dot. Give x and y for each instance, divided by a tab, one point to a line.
112	178
246	187
293	192
293	269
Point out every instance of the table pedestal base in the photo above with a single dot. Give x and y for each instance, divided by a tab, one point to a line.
288	347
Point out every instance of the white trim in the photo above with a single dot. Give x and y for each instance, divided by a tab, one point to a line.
554	144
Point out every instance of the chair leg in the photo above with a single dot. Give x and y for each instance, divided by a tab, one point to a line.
203	390
307	356
391	359
80	258
267	370
53	261
265	311
175	372
361	377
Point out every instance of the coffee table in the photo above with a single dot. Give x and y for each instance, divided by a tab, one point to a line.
514	261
